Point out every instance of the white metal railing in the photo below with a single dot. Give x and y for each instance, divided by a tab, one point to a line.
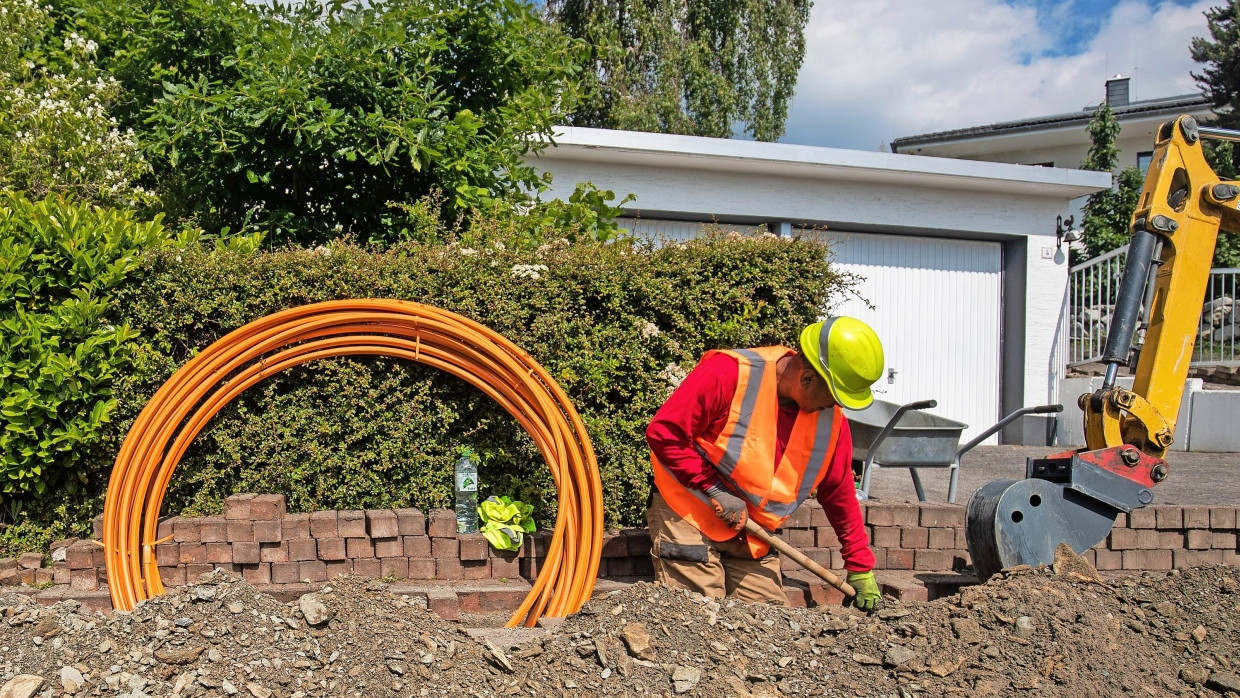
1093	286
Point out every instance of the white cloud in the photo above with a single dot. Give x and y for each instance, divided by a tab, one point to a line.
881	69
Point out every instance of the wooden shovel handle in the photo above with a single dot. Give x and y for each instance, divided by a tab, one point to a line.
798	557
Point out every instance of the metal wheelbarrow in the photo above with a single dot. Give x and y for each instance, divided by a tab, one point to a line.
888	435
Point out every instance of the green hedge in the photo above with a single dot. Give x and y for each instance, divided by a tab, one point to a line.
613	324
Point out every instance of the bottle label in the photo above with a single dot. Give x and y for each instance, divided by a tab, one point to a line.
466	482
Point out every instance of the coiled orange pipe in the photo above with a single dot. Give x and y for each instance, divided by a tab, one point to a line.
181	408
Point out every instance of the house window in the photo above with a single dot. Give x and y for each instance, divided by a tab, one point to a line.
1143	161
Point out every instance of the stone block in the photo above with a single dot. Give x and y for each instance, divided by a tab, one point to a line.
332	549
411	522
352	524
96	525
212	529
449	568
382	523
1194	558
824	537
323	524
799	537
1147	559
79	556
164	526
801	518
240	531
285	572
942	538
187	530
416	546
394	567
942	515
1222	518
1198	540
614	545
507	565
60	575
273	552
899	559
257	574
1196	516
245	553
267	507
1168	517
891	514
312	570
370	567
474	547
193	554
1222	540
193	572
336	568
32	561
639	541
443	603
237	507
219	553
421	568
295	527
389	547
441	523
303	550
915	538
85	580
166	555
172	576
1144	517
267	531
476	569
445	548
359	548
817	515
613	567
1170	540
932	560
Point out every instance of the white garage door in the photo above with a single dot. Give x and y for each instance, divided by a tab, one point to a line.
936	306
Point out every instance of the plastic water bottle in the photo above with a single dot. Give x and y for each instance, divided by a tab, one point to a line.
466	493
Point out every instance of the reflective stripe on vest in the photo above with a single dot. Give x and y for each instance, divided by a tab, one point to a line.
745	461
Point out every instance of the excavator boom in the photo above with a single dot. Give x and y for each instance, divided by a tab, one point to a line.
1074	497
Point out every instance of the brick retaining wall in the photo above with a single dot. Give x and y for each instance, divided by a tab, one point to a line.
257	539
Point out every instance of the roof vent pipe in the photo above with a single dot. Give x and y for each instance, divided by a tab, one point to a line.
1117	91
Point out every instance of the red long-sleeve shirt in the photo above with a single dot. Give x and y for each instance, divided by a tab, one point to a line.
699	408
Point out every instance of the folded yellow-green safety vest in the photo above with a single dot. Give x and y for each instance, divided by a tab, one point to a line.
505	522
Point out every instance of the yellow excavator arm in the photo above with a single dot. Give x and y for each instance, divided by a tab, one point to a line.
1074	497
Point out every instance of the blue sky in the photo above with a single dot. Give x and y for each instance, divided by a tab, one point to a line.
876	70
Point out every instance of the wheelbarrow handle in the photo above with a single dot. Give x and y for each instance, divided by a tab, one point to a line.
1040	409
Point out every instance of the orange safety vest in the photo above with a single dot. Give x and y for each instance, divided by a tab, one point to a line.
744	453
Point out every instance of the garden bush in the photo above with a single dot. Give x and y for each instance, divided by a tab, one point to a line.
617	325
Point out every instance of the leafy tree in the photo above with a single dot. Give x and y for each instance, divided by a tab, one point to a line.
687	66
1108	213
56	133
1219	81
305	121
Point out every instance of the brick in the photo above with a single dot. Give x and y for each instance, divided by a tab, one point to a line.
285	572
1196	516
643	567
219	553
359	548
352	524
44	575
1147	559
942	515
474	547
267	507
8	564
614	545
1194	558
1198	540
194	572
410	522
245	554
885	537
476	569
932	560
801	518
370	568
799	538
449	569
212	529
531	566
1168	517
193	554
395	567
295	527
323	524
880	558
898	559
312	570
1222	518
100	557
639	541
187	530
172	576
163	528
615	567
96	526
336	568
267	531
33	561
421	568
85	580
941	538
915	538
444	603
891	515
257	574
1122	539
273	552
79	556
388	547
441	523
237	507
536	544
381	523
302	550
824	537
445	548
27	575
61	575
416	546
1108	560
817	515
240	531
331	549
1221	540
1142	518
507	565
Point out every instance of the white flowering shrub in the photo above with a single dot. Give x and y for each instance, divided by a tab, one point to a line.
56	133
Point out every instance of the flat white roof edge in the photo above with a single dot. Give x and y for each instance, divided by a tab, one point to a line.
828	163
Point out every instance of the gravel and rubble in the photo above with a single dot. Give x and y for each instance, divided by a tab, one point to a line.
1027	632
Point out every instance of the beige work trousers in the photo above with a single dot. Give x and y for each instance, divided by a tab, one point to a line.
686	558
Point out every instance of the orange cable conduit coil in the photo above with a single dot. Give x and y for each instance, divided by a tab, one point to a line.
181	408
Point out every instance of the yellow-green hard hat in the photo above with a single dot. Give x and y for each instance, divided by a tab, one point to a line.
847	354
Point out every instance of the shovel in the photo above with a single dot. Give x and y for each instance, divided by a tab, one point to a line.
798	557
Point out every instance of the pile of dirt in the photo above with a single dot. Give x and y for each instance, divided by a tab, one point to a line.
1024	633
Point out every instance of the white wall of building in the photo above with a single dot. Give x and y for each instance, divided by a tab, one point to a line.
962	213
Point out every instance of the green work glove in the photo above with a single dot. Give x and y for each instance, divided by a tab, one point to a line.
868	593
728	507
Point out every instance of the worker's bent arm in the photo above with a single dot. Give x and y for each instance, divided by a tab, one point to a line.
838	497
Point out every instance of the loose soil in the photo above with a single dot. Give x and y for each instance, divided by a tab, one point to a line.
1027	632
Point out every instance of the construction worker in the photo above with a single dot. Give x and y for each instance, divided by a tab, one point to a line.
750	433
